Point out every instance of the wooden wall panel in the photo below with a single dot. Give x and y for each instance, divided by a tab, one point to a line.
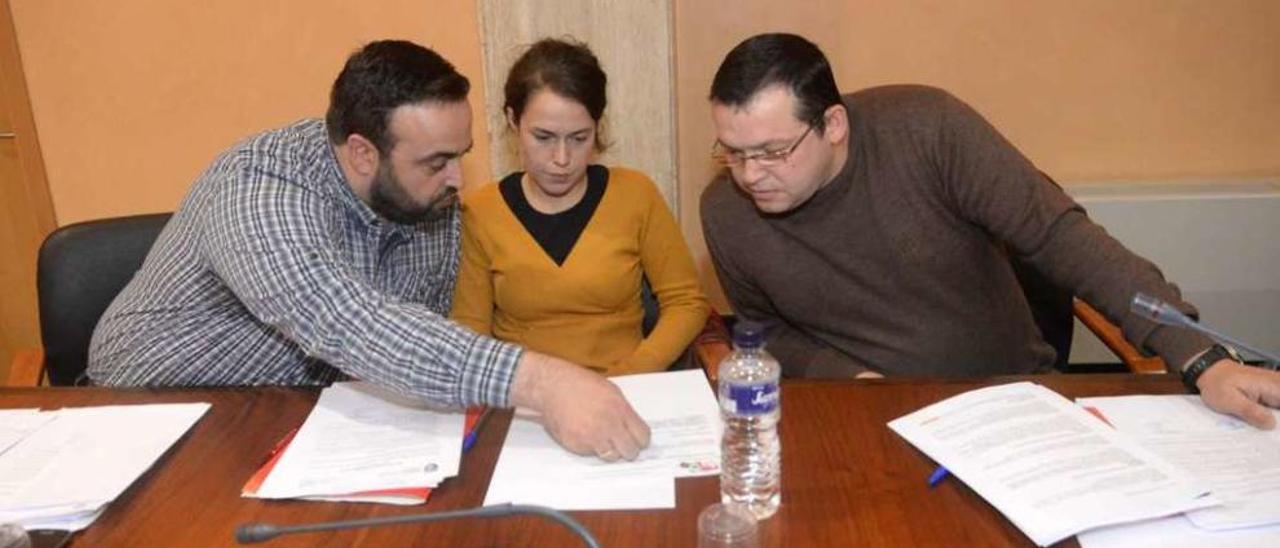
26	214
632	38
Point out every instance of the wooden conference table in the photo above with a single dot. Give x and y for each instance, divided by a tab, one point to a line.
847	479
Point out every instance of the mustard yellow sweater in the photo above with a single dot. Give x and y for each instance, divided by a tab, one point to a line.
587	310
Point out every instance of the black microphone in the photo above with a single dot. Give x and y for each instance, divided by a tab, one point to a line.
1161	312
258	532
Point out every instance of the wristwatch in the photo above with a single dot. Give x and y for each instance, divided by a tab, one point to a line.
1213	355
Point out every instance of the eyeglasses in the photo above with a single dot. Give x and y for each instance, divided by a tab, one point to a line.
736	158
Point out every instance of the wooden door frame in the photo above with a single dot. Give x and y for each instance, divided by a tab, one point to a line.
29	216
18	105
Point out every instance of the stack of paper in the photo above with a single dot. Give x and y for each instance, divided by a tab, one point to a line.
1049	466
1241	464
363	443
684	419
59	469
1178	532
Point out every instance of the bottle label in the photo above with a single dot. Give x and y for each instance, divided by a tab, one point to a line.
750	399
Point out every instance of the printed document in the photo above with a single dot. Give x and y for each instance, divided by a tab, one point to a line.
16	424
1049	466
1240	463
1177	532
684	420
62	474
364	438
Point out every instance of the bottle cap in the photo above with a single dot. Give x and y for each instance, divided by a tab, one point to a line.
748	334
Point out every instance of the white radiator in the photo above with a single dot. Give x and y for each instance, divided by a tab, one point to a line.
1218	241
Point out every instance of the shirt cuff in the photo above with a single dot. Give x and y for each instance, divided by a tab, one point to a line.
489	369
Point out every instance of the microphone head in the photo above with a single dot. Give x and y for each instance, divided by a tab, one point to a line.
256	532
1157	310
1146	306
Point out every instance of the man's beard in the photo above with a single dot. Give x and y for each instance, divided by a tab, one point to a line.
390	200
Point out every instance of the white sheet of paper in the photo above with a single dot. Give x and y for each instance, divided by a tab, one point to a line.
684	419
375	499
533	469
360	438
72	520
1241	464
1177	532
1049	466
85	457
16	424
618	494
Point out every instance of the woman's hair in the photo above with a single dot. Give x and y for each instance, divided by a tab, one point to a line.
566	67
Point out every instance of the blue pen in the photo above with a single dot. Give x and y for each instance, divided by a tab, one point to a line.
940	473
471	438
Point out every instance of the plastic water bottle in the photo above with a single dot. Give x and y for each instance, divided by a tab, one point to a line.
750	455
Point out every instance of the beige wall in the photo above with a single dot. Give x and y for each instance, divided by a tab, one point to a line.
133	98
1089	90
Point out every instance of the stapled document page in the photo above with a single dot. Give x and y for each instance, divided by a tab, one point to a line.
360	437
1049	466
1240	463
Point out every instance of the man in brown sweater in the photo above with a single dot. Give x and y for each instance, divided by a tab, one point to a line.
867	232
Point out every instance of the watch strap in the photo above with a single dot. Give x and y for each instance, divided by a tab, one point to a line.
1191	374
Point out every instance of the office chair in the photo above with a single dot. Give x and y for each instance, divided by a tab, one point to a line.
80	270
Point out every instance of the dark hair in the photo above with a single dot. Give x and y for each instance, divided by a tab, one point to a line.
565	66
765	60
382	76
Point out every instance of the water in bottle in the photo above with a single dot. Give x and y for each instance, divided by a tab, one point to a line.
750	455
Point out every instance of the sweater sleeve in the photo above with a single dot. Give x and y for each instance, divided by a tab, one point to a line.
473	294
994	187
801	355
682	307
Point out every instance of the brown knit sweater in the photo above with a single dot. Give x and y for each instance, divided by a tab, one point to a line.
894	266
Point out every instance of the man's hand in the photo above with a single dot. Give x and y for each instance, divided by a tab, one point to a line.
1240	390
580	409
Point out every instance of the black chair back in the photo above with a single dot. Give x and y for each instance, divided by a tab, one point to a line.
80	270
649	304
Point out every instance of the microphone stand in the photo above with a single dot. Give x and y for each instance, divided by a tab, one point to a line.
1162	313
259	532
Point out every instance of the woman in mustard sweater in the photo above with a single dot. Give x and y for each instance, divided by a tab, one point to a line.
552	256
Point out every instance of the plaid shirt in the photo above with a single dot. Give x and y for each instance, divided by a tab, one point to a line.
274	272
